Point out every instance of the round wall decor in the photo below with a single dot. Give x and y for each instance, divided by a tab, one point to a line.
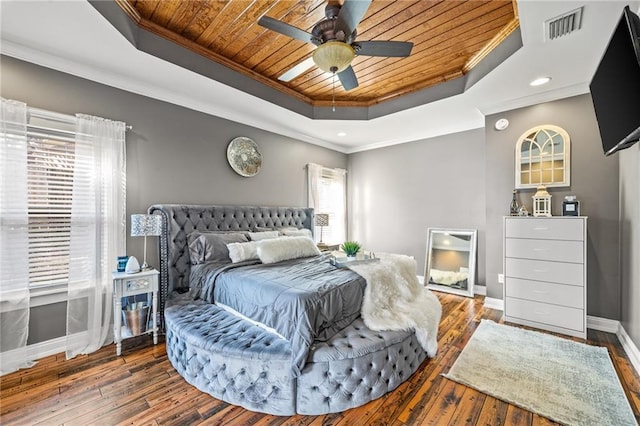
244	156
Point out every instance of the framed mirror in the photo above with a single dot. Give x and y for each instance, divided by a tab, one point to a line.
451	260
543	154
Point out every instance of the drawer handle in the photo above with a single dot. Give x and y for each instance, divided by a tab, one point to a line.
542	228
540	312
540	271
137	285
541	291
539	249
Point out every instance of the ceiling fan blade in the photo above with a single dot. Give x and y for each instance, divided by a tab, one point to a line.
348	78
284	28
351	13
397	49
297	70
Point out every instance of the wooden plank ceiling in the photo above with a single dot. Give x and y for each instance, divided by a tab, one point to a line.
449	36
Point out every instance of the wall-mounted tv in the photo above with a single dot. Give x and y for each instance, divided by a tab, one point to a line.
615	87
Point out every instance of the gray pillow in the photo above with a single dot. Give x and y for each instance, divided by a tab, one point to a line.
212	247
262	229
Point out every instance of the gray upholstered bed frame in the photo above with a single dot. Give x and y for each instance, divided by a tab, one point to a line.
242	364
179	220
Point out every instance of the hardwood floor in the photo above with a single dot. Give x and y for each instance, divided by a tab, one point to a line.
141	387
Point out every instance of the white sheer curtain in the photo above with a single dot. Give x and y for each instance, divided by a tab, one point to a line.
97	231
14	238
327	189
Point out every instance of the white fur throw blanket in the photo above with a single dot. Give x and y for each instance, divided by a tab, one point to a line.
395	300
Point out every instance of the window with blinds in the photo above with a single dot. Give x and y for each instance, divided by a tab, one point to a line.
50	163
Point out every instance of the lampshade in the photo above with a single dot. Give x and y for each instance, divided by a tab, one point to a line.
144	225
333	56
322	219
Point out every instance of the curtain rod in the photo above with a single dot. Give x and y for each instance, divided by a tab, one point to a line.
56	116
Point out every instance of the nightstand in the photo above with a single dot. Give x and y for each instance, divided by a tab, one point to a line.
125	285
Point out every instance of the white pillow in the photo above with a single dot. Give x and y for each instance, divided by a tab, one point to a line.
297	233
279	249
239	252
266	235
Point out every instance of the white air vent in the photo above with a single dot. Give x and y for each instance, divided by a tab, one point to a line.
563	24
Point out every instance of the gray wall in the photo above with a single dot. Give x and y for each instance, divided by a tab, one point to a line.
630	240
461	180
397	192
594	180
174	154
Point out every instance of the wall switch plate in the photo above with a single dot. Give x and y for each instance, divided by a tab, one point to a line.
501	278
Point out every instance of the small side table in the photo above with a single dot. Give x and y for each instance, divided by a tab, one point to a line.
124	285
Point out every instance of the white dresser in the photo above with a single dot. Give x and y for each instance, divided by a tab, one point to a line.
545	273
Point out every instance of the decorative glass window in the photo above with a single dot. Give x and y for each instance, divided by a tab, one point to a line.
542	157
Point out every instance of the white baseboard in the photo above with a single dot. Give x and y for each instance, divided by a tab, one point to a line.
491	303
42	349
614	326
629	348
603	324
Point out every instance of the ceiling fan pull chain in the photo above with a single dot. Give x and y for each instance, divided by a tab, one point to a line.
333	92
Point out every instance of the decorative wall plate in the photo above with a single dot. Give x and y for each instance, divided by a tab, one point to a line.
244	156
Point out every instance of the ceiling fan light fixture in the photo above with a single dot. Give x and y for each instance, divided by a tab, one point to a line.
333	56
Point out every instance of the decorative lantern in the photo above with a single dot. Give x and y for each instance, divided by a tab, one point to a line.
542	202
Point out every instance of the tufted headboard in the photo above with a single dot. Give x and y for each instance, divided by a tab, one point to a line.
180	220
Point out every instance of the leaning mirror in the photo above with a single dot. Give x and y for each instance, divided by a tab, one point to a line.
451	260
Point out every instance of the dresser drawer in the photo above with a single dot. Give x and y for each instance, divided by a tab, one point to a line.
139	284
556	250
539	291
547	229
540	270
544	313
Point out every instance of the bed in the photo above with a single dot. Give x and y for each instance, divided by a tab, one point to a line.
272	334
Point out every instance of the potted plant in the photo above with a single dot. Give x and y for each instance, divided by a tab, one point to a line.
350	248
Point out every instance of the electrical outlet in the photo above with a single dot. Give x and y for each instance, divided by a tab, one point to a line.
501	278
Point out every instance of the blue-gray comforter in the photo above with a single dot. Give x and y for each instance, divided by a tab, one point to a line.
303	299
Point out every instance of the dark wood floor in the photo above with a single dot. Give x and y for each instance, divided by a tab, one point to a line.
141	387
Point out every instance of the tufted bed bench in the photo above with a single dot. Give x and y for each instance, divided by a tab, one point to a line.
243	364
240	363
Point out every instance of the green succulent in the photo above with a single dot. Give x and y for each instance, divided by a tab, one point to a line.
350	247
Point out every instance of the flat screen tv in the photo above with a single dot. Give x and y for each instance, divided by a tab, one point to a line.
615	87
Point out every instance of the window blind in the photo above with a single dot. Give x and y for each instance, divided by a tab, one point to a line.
50	164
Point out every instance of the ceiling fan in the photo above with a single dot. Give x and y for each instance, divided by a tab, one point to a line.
335	37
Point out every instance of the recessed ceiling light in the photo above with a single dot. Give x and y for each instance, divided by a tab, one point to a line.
540	81
342	134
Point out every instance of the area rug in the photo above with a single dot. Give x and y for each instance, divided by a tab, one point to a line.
562	380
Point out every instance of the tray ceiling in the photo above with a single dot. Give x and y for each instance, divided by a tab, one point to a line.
450	37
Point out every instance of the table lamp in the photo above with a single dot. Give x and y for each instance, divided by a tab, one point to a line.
144	225
321	220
